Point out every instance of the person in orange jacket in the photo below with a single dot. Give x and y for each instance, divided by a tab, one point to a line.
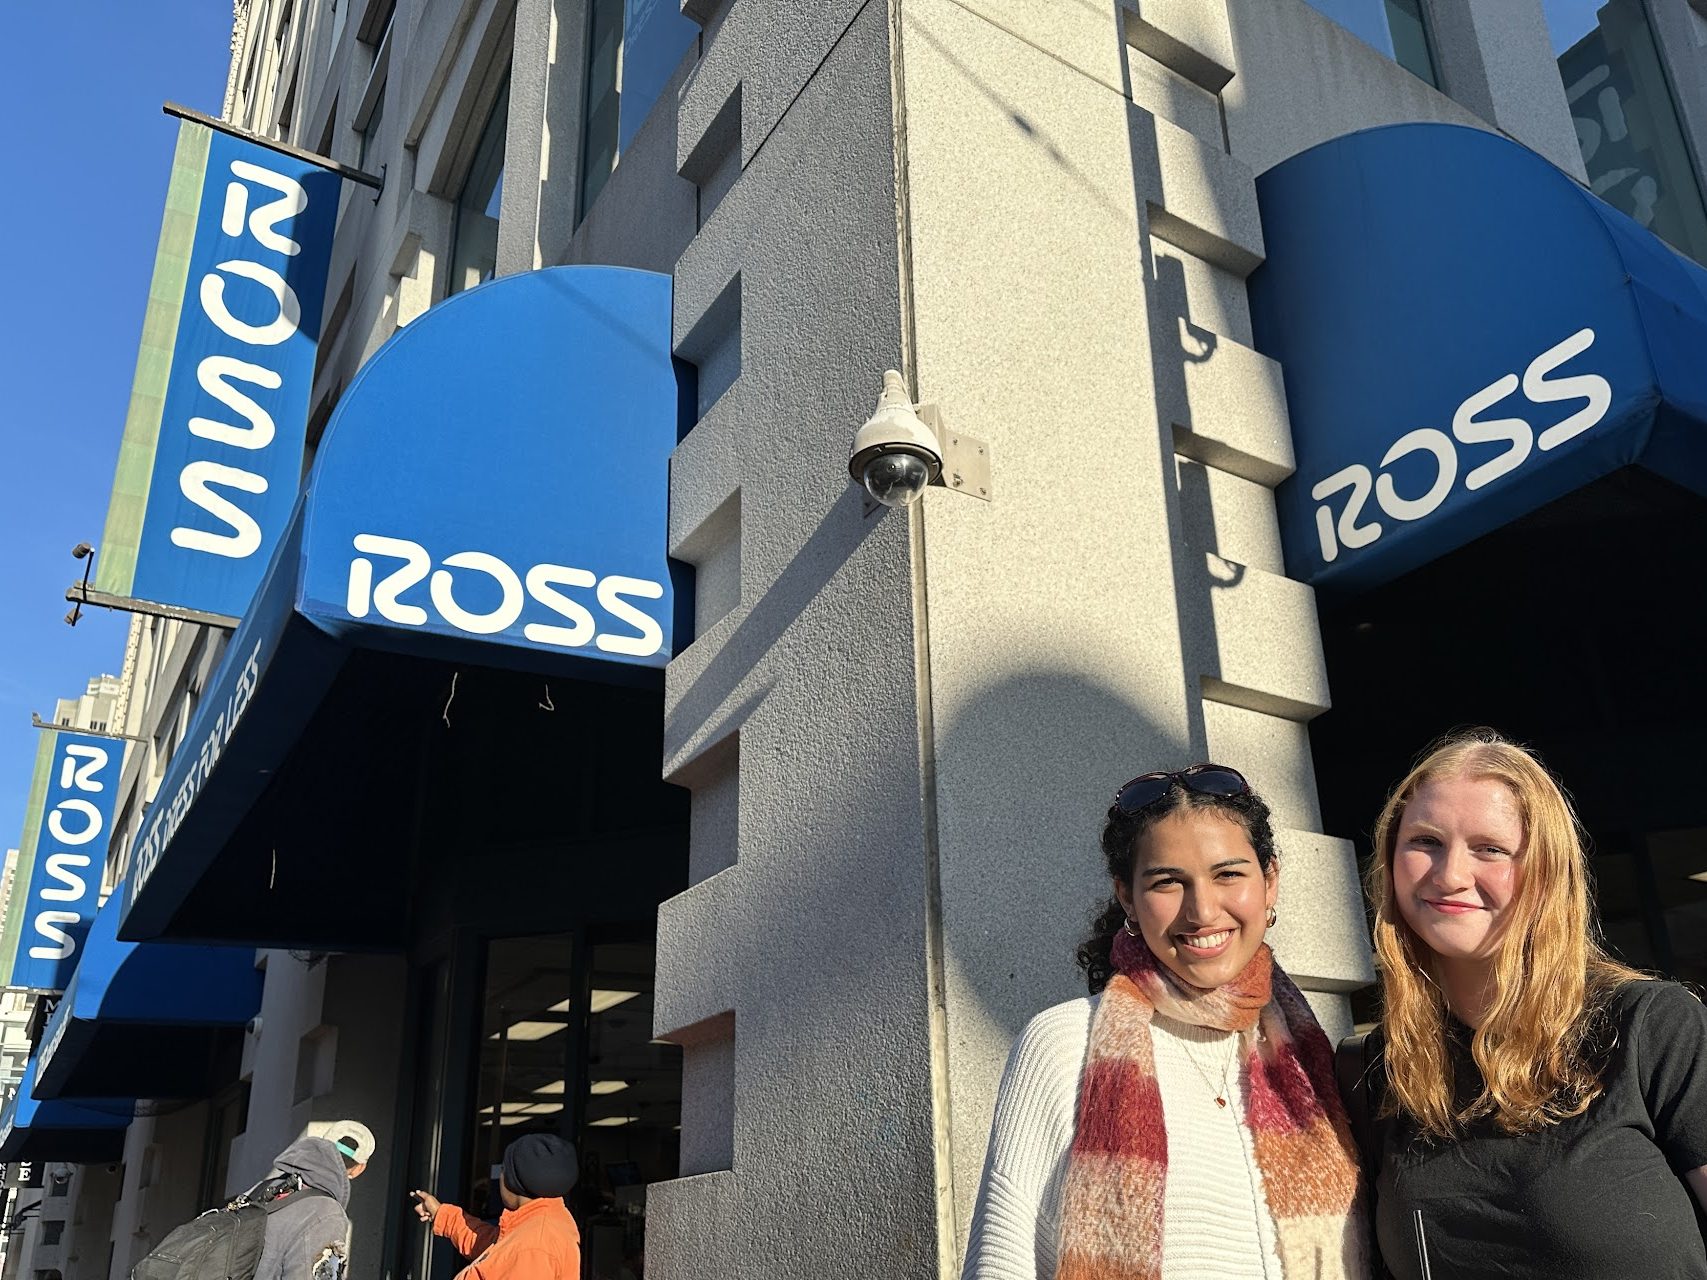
536	1237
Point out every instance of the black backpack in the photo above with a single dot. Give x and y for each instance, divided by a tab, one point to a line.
225	1243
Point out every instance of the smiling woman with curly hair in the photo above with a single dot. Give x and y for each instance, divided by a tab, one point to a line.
1183	1120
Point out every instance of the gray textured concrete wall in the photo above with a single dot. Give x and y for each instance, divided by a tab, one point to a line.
291	1002
364	1000
1304	79
795	975
162	1180
1078	235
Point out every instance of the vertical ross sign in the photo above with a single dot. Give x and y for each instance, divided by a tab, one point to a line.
213	440
71	851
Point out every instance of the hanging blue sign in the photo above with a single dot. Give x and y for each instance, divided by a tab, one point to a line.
1466	335
71	851
213	444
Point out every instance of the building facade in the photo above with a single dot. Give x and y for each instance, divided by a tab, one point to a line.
759	936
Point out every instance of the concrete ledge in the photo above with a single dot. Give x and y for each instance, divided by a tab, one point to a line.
687	1223
1190	37
1243	665
1230	413
1207	201
696	982
1321	936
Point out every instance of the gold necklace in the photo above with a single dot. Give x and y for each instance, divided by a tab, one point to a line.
1226	1088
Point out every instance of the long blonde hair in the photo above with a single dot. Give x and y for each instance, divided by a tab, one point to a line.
1551	976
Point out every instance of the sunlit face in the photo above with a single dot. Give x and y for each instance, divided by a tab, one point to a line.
1199	896
1458	865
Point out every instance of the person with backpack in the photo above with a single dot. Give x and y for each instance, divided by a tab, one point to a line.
536	1237
308	1229
289	1226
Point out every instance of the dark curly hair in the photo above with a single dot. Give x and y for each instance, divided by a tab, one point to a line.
1120	835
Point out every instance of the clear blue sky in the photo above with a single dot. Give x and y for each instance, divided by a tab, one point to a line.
87	154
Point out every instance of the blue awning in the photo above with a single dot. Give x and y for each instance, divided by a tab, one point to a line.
88	1131
492	491
1466	335
144	1019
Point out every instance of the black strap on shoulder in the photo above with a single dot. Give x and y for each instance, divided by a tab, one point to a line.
291	1197
1352	1062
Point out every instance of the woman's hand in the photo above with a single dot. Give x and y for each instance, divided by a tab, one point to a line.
1697	1180
427	1206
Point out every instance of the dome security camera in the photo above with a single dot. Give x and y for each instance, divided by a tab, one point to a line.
895	455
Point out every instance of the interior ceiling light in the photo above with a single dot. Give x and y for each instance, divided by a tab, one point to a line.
562	1006
556	1086
529	1030
545	1108
611	1122
1701	876
599	1087
603	1000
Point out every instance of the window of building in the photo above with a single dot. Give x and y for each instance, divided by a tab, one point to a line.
52	1232
633	48
228	1116
1395	27
370	107
1626	119
474	243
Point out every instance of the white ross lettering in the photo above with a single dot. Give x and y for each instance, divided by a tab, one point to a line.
65	868
481	624
543	581
263	223
1422	440
1594	390
214	373
542	585
50	925
71	777
1468	427
612	591
91	821
196	481
275	331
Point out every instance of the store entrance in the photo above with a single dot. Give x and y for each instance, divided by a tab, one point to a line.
547	842
1580	631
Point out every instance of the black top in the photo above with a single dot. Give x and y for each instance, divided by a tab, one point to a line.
1599	1195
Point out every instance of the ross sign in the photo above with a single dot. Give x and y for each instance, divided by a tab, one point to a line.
493	489
213	444
70	856
546	529
1466	335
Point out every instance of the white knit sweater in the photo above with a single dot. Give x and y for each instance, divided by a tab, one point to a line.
1216	1222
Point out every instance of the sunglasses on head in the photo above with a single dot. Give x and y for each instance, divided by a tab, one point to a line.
1204	779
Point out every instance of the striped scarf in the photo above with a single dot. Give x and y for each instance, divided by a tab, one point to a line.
1111	1219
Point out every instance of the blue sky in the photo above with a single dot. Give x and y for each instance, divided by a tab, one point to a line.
87	154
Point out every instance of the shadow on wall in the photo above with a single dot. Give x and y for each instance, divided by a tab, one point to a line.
1023	871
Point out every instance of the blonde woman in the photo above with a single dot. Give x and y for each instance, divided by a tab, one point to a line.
1534	1108
1183	1121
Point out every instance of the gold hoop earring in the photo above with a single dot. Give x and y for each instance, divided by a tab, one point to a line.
1273	915
1128	930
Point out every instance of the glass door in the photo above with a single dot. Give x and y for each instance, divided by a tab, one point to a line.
529	1029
